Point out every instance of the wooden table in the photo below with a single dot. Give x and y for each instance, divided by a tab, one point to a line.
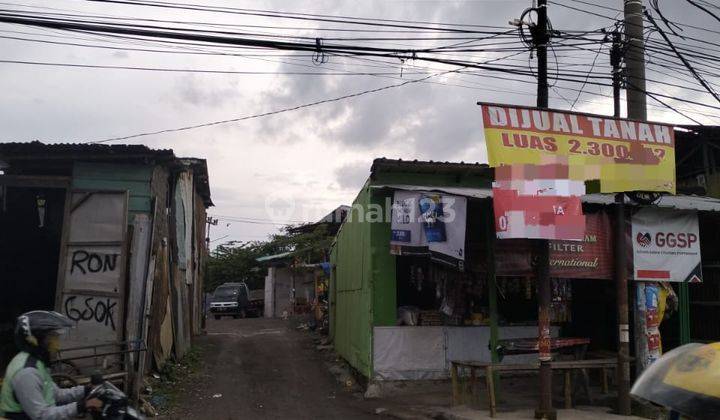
567	366
529	345
577	346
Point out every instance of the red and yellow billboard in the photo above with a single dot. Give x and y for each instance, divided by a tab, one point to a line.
624	155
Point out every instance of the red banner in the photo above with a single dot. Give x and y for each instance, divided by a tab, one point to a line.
537	217
591	258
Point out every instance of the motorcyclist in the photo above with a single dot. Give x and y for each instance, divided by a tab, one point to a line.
28	390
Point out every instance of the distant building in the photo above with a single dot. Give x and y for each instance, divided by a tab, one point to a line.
293	283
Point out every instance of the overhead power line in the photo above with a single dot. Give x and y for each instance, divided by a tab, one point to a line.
175	37
168	33
171	70
680	56
393	23
265	114
701	7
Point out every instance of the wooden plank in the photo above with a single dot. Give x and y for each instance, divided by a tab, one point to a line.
568	389
492	290
455	384
473	385
491	389
498	366
90	292
112	171
26	181
605	388
583	364
139	255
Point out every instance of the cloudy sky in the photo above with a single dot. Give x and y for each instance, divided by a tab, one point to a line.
317	157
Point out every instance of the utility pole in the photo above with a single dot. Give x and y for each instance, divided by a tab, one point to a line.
616	54
636	110
621	275
635	60
540	39
210	222
544	290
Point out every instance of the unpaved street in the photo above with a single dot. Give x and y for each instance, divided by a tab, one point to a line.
264	370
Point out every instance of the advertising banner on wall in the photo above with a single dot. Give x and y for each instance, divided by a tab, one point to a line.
591	258
407	234
623	155
666	245
451	250
429	224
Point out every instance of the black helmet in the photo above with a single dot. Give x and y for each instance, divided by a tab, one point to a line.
33	325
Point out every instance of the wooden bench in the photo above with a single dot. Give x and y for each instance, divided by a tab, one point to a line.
583	365
490	369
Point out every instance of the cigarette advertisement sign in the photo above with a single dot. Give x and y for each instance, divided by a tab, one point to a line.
666	245
429	224
590	258
623	155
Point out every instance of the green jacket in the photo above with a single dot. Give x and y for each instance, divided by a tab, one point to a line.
28	392
8	403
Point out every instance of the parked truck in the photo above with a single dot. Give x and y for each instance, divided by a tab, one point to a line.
230	299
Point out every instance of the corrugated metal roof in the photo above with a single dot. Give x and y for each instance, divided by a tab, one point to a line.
679	202
462	191
36	150
37	154
429	166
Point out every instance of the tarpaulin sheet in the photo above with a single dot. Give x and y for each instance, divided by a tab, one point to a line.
417	353
409	353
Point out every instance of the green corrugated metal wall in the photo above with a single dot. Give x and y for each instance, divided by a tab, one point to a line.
352	323
364	283
111	176
383	265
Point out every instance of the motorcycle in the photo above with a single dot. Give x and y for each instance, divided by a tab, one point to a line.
115	402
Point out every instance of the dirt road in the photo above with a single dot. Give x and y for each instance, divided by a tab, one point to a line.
264	370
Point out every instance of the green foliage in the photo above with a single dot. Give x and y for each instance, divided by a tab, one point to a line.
175	376
234	263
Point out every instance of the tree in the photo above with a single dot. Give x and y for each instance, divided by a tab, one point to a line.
230	263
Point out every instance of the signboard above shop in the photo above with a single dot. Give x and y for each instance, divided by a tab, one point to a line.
624	155
544	160
666	245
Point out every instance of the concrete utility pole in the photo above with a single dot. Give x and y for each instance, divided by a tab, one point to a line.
637	110
544	290
621	275
210	222
635	60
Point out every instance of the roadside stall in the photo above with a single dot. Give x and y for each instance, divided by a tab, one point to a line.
444	296
404	307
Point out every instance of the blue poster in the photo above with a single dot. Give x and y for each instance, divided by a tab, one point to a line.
431	210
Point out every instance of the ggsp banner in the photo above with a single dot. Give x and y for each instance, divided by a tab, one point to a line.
666	245
624	155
